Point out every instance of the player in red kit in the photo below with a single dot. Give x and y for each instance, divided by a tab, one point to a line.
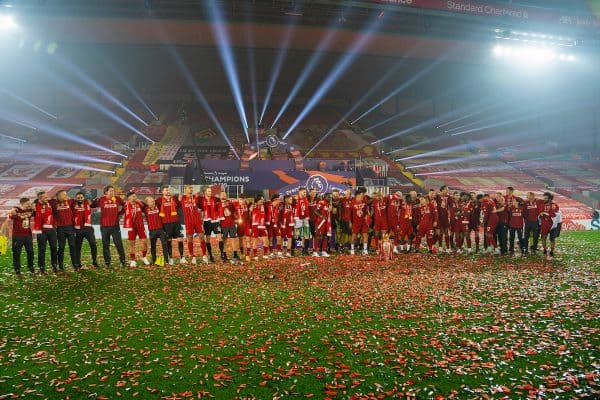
209	205
133	223
490	221
45	231
531	212
548	213
155	229
427	220
287	224
414	201
444	203
336	207
21	234
461	218
82	221
393	211
322	227
405	224
169	214
65	231
274	215
358	222
190	204
259	227
502	228
110	208
509	195
312	205
345	219
474	221
229	214
456	198
302	219
515	226
380	226
245	227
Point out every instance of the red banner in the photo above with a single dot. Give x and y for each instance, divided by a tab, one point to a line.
519	13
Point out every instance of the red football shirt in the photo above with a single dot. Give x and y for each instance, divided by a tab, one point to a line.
301	209
63	210
21	222
110	209
153	218
229	213
191	213
170	207
516	217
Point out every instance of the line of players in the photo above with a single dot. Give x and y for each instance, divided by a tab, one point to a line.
283	225
443	221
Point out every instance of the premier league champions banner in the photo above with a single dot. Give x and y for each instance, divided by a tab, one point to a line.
286	182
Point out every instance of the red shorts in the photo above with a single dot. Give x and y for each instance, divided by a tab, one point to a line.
322	230
193	227
474	226
258	232
287	232
380	225
424	230
460	227
443	223
244	229
136	233
359	226
545	227
406	228
274	231
491	228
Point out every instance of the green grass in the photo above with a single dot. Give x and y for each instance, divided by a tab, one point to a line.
422	326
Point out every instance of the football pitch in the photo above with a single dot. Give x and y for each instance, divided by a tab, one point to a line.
421	326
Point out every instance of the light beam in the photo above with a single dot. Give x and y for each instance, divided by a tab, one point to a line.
335	74
22	100
218	26
276	69
92	83
311	64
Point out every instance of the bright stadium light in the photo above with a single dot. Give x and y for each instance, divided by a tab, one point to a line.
531	54
537	38
8	23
